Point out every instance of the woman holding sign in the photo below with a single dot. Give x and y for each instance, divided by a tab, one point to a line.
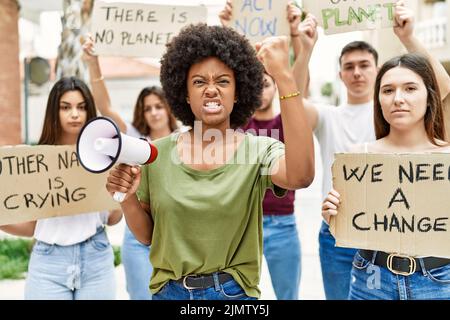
72	258
200	203
408	119
152	119
337	129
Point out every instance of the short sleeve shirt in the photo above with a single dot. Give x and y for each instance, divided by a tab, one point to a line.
340	128
208	221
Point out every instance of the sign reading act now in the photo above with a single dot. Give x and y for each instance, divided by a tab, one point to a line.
259	19
393	203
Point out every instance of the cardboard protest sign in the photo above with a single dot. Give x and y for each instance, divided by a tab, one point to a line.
338	16
393	203
259	19
138	29
47	181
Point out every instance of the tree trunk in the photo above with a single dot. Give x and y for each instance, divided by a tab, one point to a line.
75	25
10	120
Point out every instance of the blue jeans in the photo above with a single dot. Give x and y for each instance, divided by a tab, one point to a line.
83	271
138	270
372	282
283	254
229	290
336	264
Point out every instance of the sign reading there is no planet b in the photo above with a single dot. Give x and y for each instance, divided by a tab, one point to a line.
139	29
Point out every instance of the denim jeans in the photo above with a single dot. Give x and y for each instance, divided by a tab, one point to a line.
83	271
138	269
336	264
283	254
372	282
229	290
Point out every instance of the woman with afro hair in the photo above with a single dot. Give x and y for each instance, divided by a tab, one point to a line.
200	203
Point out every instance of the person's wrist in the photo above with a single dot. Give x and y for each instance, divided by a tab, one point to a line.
97	79
130	198
92	62
283	74
407	40
307	48
290	95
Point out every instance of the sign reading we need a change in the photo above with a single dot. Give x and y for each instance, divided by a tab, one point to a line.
139	29
259	19
338	16
47	181
393	203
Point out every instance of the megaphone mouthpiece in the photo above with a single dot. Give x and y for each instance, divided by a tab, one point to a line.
106	146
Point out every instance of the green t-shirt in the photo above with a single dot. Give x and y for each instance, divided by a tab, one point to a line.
208	221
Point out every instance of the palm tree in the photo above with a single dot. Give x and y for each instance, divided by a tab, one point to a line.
76	20
10	120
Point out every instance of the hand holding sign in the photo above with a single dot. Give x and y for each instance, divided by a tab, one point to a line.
294	16
330	205
226	14
89	55
308	32
273	53
404	21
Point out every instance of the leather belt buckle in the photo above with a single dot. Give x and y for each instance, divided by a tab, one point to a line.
185	284
412	264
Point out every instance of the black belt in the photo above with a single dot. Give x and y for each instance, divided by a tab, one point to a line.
401	264
203	281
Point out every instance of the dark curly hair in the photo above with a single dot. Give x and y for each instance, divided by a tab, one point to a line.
197	42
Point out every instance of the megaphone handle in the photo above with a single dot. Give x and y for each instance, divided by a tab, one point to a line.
119	196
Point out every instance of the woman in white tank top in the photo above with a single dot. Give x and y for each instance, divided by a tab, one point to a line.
408	117
72	258
152	119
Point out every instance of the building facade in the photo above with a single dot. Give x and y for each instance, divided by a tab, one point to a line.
432	28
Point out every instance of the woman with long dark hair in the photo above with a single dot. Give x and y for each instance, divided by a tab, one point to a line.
408	118
72	258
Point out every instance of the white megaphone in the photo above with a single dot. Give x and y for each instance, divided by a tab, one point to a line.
101	144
